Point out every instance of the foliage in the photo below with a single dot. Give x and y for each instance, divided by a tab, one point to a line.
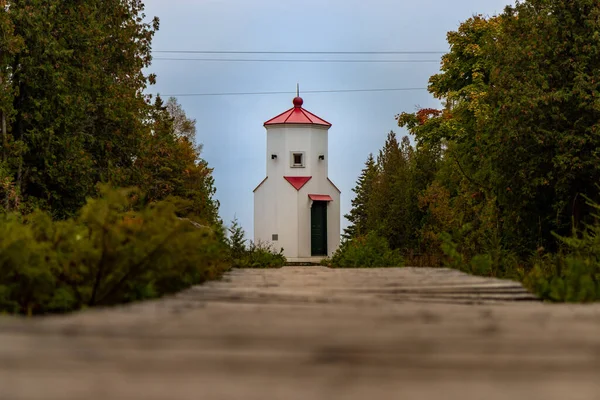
369	251
254	255
236	241
116	250
402	173
358	216
495	180
492	260
261	255
546	117
75	83
74	118
72	100
574	274
519	116
169	166
183	126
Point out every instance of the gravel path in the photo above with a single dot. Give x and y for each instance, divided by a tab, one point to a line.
313	333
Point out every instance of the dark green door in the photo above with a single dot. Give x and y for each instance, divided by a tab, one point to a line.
318	228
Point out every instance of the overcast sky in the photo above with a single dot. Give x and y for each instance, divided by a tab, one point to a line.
231	127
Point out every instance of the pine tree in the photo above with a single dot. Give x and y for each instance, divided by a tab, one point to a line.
383	202
236	240
358	215
392	209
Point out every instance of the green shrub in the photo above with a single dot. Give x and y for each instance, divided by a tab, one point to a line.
572	275
115	251
255	255
260	255
494	260
565	278
369	251
236	241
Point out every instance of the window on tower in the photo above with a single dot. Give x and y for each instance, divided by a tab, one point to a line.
297	159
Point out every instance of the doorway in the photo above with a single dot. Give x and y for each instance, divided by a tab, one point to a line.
318	228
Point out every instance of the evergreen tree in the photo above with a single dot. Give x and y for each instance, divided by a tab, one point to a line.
385	206
236	240
75	82
405	209
358	215
73	113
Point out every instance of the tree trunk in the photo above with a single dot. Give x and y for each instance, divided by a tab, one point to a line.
19	133
3	127
4	135
4	145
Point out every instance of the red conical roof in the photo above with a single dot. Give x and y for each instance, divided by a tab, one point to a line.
297	115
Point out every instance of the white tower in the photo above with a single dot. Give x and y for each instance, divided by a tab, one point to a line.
297	207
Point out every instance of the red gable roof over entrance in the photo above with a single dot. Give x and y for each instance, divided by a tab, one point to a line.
297	115
297	181
320	197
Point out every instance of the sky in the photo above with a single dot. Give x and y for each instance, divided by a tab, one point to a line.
230	128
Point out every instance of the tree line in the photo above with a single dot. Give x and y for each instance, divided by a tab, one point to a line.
104	195
503	179
74	112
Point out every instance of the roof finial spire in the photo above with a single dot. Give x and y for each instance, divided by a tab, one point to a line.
298	100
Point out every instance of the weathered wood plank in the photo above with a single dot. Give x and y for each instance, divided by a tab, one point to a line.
312	332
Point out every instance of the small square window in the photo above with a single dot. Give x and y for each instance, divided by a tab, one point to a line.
275	237
297	159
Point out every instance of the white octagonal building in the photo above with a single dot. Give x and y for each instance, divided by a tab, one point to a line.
297	207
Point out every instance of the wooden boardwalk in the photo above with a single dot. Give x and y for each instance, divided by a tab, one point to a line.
313	333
